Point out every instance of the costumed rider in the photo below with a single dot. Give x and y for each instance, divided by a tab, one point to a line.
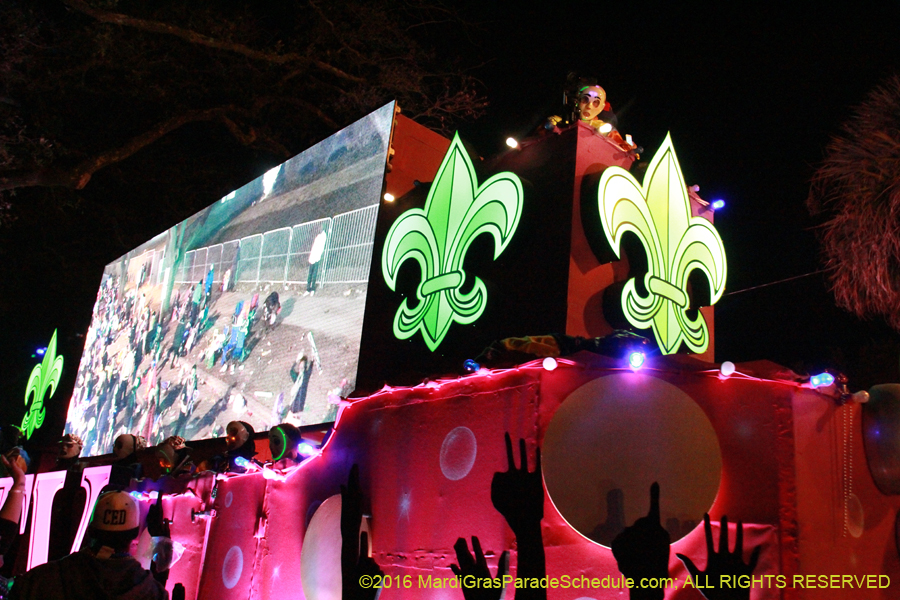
240	450
127	465
70	447
105	569
284	444
173	455
241	446
595	111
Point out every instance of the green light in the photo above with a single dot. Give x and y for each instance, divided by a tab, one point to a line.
659	214
439	236
43	377
284	443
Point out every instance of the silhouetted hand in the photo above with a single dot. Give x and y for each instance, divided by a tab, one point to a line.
365	565
477	567
642	550
355	559
518	494
723	562
14	469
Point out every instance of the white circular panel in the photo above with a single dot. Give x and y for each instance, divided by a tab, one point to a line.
320	558
232	567
612	438
458	453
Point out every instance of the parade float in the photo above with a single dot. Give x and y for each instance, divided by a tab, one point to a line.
426	352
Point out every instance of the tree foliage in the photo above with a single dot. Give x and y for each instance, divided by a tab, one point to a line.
857	188
90	83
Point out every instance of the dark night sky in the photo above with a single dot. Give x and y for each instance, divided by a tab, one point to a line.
750	97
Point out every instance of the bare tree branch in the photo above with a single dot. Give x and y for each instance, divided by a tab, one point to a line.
78	176
205	40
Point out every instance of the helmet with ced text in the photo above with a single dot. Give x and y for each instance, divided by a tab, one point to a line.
115	521
115	511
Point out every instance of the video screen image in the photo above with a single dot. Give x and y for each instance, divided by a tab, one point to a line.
250	310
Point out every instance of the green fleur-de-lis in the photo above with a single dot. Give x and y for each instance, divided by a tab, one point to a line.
43	377
659	213
438	237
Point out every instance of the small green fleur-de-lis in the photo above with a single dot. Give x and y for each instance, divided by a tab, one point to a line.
659	213
439	236
43	377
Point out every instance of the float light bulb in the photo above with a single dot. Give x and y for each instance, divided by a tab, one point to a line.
821	380
512	143
550	363
242	462
726	370
471	366
636	360
305	449
716	205
388	197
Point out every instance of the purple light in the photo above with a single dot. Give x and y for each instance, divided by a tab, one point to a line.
636	360
717	204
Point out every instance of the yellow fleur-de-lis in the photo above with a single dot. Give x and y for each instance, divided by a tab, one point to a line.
659	214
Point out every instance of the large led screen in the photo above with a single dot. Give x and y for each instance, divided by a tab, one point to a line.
250	310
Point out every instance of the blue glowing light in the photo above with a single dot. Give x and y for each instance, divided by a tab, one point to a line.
636	360
471	366
717	204
306	449
242	462
41	351
821	380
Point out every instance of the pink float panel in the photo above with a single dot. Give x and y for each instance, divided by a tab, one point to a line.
234	536
427	456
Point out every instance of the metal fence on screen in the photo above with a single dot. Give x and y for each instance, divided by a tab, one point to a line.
281	256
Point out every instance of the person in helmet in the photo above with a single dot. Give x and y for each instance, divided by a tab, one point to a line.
105	569
284	442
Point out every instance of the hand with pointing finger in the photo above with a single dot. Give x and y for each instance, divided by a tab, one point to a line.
642	550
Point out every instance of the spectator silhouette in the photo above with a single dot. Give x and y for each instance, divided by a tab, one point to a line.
518	495
642	550
477	567
723	563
